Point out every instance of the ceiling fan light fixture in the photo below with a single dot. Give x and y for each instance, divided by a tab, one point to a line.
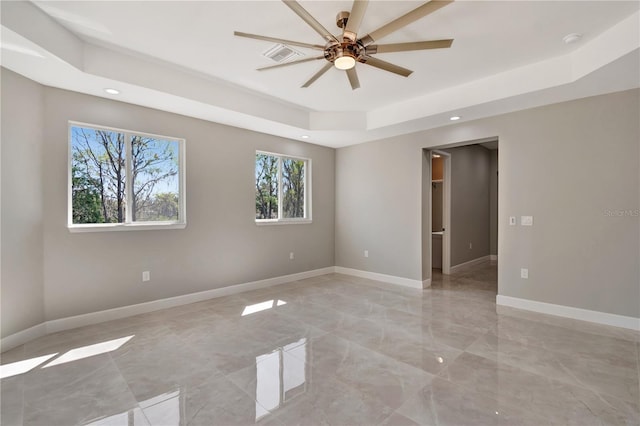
345	50
345	62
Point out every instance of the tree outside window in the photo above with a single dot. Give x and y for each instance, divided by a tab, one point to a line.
123	177
292	188
280	187
266	186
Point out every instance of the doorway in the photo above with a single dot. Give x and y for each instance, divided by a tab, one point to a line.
440	211
459	210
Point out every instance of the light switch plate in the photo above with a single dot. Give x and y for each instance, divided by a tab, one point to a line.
526	220
512	220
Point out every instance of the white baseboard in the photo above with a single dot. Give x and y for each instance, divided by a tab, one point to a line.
493	257
570	312
458	267
391	279
68	323
23	336
426	283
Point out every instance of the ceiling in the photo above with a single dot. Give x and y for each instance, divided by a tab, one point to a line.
183	57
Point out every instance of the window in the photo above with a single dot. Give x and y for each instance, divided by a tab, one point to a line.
282	189
121	179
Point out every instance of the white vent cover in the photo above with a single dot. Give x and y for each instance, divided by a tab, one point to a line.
281	53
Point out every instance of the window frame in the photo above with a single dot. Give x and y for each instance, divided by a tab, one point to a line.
307	191
128	224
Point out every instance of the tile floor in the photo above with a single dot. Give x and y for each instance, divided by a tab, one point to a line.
331	350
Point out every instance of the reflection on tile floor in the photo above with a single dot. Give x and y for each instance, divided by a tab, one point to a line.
330	350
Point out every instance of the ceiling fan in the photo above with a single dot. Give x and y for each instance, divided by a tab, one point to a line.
346	50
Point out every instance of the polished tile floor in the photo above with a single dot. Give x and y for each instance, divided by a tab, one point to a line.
331	350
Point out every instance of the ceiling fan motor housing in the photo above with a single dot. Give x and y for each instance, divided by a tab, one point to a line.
349	48
342	18
335	50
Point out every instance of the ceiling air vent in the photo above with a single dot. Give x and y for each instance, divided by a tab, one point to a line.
281	53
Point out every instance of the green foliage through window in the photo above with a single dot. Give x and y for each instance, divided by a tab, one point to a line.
154	171
105	162
292	188
266	186
280	187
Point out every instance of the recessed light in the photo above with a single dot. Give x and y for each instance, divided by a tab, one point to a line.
454	118
305	136
112	91
571	38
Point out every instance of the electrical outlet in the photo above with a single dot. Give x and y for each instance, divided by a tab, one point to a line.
366	253
146	276
526	220
470	246
291	256
524	273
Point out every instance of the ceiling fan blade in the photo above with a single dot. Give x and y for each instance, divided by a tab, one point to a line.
279	40
403	47
355	19
291	63
317	75
384	65
310	20
404	20
353	78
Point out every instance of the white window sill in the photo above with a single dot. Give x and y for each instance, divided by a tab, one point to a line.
109	227
265	222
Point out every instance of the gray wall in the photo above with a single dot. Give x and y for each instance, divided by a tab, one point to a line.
378	207
22	209
86	272
470	170
221	245
493	203
581	252
577	255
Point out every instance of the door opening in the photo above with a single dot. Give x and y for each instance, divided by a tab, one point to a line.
440	211
460	213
